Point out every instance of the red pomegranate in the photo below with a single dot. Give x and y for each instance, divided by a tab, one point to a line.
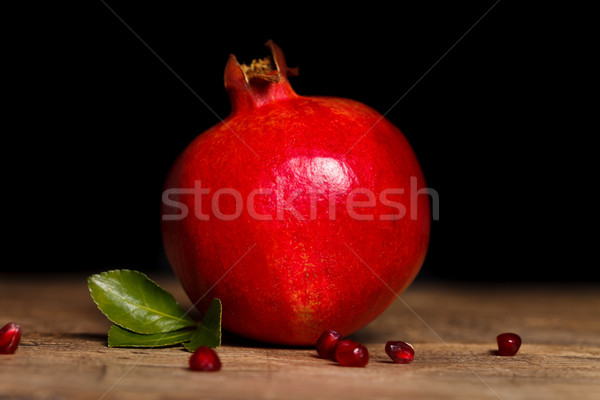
302	214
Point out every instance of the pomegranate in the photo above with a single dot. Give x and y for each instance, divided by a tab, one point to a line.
302	214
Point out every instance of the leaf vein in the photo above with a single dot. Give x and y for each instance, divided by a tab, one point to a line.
107	289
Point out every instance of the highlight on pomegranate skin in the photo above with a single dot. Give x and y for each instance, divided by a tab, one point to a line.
508	344
327	343
350	353
10	337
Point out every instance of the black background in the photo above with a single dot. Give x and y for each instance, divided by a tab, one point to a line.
497	117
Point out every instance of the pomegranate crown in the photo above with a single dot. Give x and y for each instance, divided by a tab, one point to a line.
262	82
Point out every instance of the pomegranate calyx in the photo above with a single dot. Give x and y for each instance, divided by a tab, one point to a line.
261	68
261	82
269	68
279	58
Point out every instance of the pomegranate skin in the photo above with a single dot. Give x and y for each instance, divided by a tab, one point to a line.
255	212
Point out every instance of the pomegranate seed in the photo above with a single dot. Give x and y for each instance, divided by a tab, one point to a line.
326	344
10	337
205	359
400	352
508	344
351	354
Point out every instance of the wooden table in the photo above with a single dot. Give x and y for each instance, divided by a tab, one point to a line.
63	353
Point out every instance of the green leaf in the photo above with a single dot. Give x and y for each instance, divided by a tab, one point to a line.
134	302
119	337
209	331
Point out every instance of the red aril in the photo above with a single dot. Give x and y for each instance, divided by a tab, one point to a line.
508	344
351	354
10	337
300	213
400	352
326	344
205	359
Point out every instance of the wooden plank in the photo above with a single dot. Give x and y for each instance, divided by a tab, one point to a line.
453	328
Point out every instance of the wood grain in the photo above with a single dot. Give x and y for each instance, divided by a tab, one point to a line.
63	353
